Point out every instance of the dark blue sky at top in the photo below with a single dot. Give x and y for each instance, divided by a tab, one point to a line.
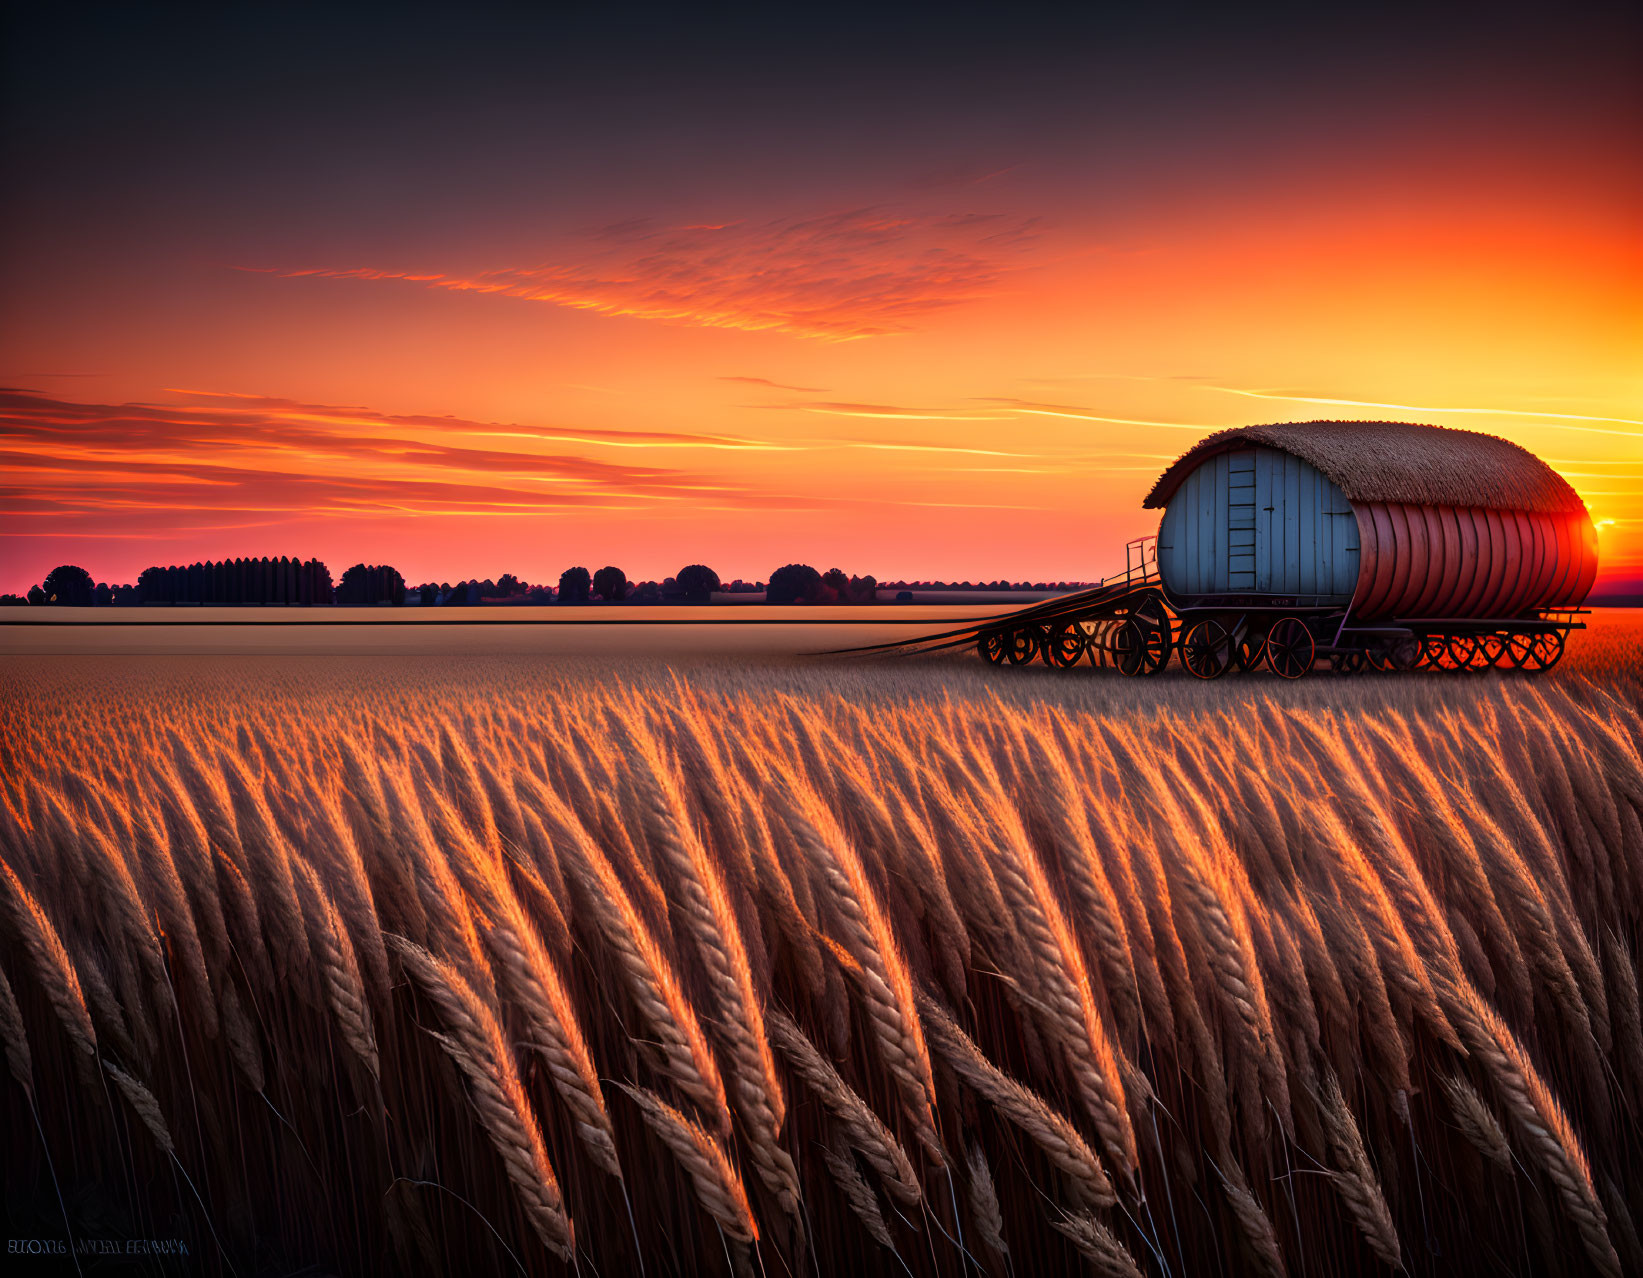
282	106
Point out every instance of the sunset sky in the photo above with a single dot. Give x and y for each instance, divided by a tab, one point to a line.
927	297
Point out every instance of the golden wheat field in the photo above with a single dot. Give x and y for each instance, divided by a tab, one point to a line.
502	966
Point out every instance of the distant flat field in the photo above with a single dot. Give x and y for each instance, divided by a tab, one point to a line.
1613	641
619	632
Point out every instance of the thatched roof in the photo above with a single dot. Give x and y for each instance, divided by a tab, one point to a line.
1397	461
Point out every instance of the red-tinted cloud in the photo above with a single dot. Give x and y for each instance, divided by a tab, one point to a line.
861	273
137	469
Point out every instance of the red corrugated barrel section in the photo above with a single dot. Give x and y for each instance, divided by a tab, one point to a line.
1463	561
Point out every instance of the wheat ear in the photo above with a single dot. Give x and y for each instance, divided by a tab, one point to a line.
718	1188
1050	1130
1098	1245
474	1042
861	1126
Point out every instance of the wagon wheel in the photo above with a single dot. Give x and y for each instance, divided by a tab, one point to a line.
1545	651
1207	649
1460	652
1290	648
1518	646
1159	643
1347	663
1378	659
1431	651
1065	645
1404	655
994	646
1021	645
1129	648
1491	651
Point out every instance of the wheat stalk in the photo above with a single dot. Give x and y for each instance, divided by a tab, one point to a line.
718	1188
339	970
143	1104
1478	1122
475	1044
861	1126
712	924
52	966
1051	1132
841	1164
984	1208
880	972
1098	1245
16	1037
1355	1179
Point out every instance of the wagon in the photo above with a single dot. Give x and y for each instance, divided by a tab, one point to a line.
1383	546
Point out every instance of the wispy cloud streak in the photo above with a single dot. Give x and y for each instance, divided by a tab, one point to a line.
841	276
1548	418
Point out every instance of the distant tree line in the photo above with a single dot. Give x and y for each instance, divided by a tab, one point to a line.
237	581
291	581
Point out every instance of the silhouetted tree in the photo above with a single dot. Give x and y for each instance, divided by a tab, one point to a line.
839	588
102	596
371	584
610	584
646	592
69	585
507	586
575	585
794	583
12	601
697	582
36	595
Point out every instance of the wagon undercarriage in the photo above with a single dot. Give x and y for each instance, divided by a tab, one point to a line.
1208	644
1132	624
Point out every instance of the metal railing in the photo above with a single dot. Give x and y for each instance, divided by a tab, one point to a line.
1140	562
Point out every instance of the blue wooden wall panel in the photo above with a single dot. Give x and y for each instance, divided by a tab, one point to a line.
1259	521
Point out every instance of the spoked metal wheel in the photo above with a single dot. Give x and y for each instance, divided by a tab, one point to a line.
994	646
1290	649
1544	652
1207	649
1157	642
1065	645
1022	645
1129	648
1140	647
